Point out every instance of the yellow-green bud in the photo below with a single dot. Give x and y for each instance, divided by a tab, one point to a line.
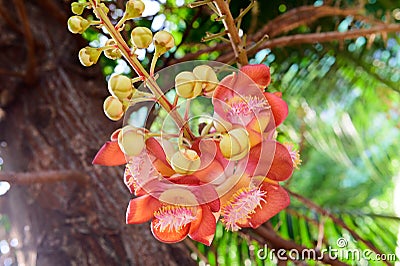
186	85
120	86
113	108
235	144
133	9
104	7
114	53
185	161
141	37
131	140
163	42
208	78
77	24
77	8
89	55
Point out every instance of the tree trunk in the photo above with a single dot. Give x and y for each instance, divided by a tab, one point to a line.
54	121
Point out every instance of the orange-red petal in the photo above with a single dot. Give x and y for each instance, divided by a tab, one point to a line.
260	159
160	163
259	73
276	200
203	228
141	209
169	235
110	155
282	165
279	109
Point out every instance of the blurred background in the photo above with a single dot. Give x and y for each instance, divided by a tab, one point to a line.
337	64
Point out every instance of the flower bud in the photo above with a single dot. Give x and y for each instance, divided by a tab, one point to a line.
113	53
185	161
77	24
105	8
77	8
89	56
207	76
131	140
235	144
120	86
163	42
113	108
186	85
141	37
133	9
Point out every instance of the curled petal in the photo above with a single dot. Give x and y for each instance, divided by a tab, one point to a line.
282	165
141	209
203	228
276	199
260	159
259	73
110	155
170	235
160	163
204	193
279	109
210	173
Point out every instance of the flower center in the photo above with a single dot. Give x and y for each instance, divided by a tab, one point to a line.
243	107
173	217
246	105
240	206
141	169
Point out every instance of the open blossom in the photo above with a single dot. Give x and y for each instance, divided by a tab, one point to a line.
249	191
240	100
175	210
232	176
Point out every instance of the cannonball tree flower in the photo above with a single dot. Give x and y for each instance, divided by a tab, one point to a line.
179	206
249	191
233	174
240	99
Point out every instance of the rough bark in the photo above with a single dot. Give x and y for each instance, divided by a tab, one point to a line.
53	121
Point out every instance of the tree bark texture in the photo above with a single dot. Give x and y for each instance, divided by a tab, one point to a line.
51	119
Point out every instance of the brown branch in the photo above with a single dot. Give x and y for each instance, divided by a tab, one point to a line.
193	248
301	16
277	242
318	38
30	178
281	24
233	33
335	219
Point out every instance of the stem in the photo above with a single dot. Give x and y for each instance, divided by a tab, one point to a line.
153	64
140	70
233	33
140	100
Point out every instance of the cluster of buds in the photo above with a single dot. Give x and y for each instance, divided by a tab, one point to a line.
185	182
141	37
121	90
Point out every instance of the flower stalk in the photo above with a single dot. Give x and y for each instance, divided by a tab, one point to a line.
139	69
